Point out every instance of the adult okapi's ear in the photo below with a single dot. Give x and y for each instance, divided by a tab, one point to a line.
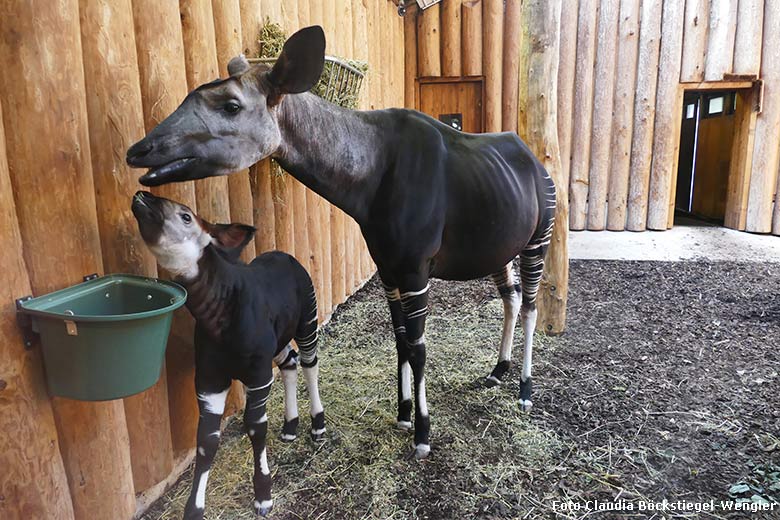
299	66
231	237
238	65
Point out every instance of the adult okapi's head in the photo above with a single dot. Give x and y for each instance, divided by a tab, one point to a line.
227	125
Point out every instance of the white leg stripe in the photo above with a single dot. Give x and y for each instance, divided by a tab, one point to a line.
418	341
215	403
290	379
409	294
529	325
264	463
255	389
406	381
200	494
311	374
421	398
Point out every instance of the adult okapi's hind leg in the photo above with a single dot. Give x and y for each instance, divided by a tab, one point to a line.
404	418
509	289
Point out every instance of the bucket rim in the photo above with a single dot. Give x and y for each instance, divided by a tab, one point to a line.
38	306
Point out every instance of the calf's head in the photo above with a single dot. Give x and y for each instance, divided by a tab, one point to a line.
229	124
178	237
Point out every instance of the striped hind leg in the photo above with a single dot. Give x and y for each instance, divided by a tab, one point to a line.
531	270
306	339
509	289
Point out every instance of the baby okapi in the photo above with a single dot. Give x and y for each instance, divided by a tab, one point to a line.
246	316
432	202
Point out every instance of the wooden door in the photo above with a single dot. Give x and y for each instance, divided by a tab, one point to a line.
690	117
713	155
455	101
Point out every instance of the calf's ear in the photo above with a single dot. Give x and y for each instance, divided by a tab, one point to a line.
299	66
232	237
238	65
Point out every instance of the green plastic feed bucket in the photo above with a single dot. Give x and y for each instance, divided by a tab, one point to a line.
105	338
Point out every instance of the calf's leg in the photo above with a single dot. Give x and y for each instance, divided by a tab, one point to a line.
211	403
287	361
404	418
256	425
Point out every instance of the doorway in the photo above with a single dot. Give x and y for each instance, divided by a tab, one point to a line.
706	143
456	101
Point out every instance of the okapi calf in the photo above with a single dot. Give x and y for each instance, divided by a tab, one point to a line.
246	316
431	202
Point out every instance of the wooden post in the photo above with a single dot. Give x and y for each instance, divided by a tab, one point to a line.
492	41
541	22
450	38
747	41
33	481
668	107
720	47
583	114
622	131
603	91
115	113
766	155
429	42
252	18
345	39
300	215
566	69
511	65
227	30
44	103
158	40
471	40
360	38
697	14
644	115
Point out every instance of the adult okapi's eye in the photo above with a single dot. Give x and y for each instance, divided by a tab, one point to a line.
186	218
231	107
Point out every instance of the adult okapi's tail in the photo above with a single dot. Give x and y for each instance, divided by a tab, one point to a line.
306	333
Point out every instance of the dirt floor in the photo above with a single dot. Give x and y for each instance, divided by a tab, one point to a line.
665	386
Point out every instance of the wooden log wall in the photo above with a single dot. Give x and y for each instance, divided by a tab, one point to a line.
83	80
624	66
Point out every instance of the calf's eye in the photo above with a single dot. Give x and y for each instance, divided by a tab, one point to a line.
186	218
231	107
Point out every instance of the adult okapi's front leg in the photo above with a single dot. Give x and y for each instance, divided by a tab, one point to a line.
414	307
256	424
404	418
211	403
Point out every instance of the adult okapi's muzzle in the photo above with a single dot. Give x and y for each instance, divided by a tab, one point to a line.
148	211
152	152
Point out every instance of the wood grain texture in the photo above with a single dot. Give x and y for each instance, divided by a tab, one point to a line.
644	115
603	92
42	93
428	41
33	482
741	161
251	14
623	125
450	38
115	114
566	72
227	30
720	43
542	21
747	40
766	156
583	114
159	44
492	54
510	76
471	37
668	107
410	58
695	29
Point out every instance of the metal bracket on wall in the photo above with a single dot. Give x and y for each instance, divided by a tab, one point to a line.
24	322
758	95
90	277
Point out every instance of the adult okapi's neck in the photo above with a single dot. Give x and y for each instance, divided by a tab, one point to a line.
210	292
336	152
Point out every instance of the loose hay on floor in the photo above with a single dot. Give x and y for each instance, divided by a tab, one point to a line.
664	386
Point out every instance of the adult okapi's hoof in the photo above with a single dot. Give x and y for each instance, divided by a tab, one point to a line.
263	508
495	377
525	395
491	381
318	427
290	430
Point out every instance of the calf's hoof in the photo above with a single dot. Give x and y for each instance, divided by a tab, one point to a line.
495	377
403	425
289	430
525	395
318	427
262	508
492	381
419	451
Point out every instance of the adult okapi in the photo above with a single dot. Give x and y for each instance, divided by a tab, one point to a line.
430	201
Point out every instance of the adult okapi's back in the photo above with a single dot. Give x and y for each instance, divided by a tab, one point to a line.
430	201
